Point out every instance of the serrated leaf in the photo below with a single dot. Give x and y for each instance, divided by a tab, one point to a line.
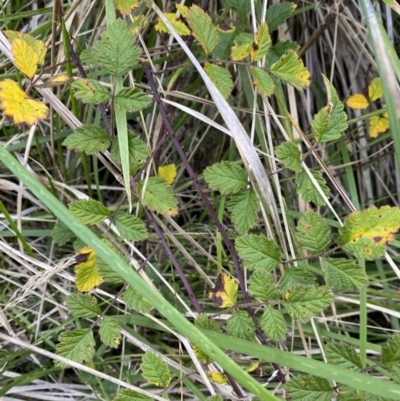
226	177
167	172
261	285
309	388
378	125
131	228
344	356
313	233
243	45
375	89
107	272
391	351
303	302
179	26
136	301
18	107
158	197
224	293
76	345
344	274
241	326
289	154
290	68
295	276
278	50
61	234
83	305
223	50
37	45
126	6
242	7
262	43
258	251
357	102
243	207
87	275
89	211
278	13
131	99
26	59
366	233
90	91
273	324
203	29
130	395
204	322
331	120
262	81
115	52
220	77
307	190
89	139
110	332
182	9
155	370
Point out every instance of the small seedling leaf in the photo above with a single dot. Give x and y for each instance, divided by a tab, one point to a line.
83	305
89	211
224	293
155	370
89	139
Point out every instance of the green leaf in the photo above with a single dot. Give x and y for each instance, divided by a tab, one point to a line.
110	332
158	197
307	190
89	211
131	228
261	285
290	155
216	398
90	91
313	233
258	251
262	43
226	177
242	7
278	13
131	99
273	324
130	395
135	301
344	356
241	326
331	120
83	305
61	234
204	322
220	77
309	388
107	272
76	345
243	207
391	351
290	68
344	274
155	370
262	81
278	50
303	302
223	50
116	52
203	29
89	139
243	45
295	276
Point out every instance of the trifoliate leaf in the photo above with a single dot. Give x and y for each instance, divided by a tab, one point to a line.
289	154
375	89
18	107
307	190
61	234
89	211
168	172
241	326
130	395
391	351
295	276
179	26
136	301
131	99
243	45
226	177
77	345
37	45
261	285
273	324
313	233
290	68
278	13
155	370
331	120
309	388
217	377
83	305
262	43
26	59
110	332
224	293
357	102
378	125
278	50
203	29
126	6
89	139
90	91
87	275
107	272
220	77
303	302
366	233
131	228
258	251
158	197
344	356
262	81
344	274
243	207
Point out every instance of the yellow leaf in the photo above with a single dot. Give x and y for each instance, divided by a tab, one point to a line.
36	44
167	172
357	101
18	106
378	125
179	26
57	80
126	6
375	89
26	58
87	275
183	10
254	366
217	377
224	293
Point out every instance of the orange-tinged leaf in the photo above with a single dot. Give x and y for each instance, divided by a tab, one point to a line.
375	89
26	59
18	106
126	6
167	172
357	101
378	125
87	274
224	293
